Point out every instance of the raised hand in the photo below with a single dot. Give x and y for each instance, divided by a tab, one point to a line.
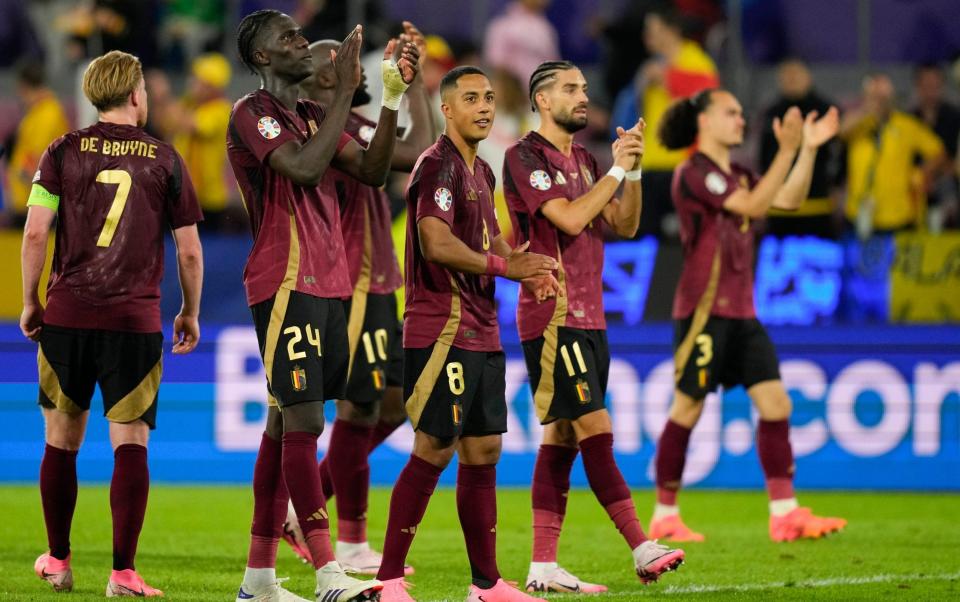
626	150
409	58
789	130
346	62
637	133
419	40
817	132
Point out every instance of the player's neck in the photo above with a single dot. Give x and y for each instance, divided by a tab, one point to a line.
467	150
285	92
557	136
718	153
121	116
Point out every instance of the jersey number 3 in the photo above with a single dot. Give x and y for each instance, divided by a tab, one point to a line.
123	181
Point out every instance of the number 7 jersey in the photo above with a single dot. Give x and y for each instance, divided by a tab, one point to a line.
115	189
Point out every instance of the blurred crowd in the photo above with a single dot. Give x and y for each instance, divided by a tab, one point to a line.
893	168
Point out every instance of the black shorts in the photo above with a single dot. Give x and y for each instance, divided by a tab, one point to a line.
726	351
303	342
376	348
452	392
568	370
127	365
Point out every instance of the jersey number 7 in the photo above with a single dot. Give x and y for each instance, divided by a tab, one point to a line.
123	181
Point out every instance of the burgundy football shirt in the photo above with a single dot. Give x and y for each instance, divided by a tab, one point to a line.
366	223
453	308
297	242
119	189
707	230
535	172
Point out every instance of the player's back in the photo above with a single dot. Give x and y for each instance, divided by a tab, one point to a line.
118	189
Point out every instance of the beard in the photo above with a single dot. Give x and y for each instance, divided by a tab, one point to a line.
569	123
360	97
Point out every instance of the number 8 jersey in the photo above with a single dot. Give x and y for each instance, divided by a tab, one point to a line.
115	189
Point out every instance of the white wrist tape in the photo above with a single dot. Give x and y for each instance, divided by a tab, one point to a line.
634	175
617	172
393	84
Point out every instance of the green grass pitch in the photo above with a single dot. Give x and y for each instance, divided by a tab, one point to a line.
901	546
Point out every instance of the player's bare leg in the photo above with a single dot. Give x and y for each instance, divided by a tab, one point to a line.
551	483
58	493
594	433
788	521
128	505
671	456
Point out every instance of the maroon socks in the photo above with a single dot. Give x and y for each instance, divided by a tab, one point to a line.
303	484
128	501
609	487
671	456
477	508
408	503
269	505
776	457
58	495
346	460
551	483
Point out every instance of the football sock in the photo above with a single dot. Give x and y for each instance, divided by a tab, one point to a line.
671	456
303	484
551	483
128	501
381	431
477	507
326	479
776	457
58	495
350	472
408	503
269	505
256	579
609	487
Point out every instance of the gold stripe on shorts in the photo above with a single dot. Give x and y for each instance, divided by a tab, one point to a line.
543	396
438	357
277	314
700	317
358	303
136	402
50	385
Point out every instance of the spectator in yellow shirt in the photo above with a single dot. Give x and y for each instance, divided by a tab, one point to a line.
198	125
886	187
43	122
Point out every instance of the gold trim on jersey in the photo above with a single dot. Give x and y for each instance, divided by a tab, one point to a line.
293	255
50	385
277	314
701	314
543	396
438	357
136	402
358	303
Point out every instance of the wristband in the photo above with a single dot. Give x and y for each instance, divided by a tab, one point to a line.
617	172
393	84
496	265
634	175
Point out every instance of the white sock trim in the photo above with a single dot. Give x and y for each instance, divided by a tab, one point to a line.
256	579
540	569
346	548
783	507
665	510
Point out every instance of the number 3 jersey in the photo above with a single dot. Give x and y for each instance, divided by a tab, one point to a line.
444	306
115	189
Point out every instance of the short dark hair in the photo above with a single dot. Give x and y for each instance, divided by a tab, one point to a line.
924	67
543	76
671	17
248	34
31	72
678	128
450	79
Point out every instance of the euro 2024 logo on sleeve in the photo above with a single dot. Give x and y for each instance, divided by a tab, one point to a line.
268	127
444	198
540	180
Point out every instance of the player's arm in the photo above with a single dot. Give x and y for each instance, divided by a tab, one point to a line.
421	132
306	163
186	326
372	165
623	214
33	255
756	202
541	287
816	133
571	217
439	245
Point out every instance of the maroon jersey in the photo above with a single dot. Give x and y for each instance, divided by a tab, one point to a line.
534	172
297	244
366	224
713	236
442	305
118	189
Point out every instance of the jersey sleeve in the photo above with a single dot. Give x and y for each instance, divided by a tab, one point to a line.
182	206
46	181
261	133
927	143
437	191
530	174
705	187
